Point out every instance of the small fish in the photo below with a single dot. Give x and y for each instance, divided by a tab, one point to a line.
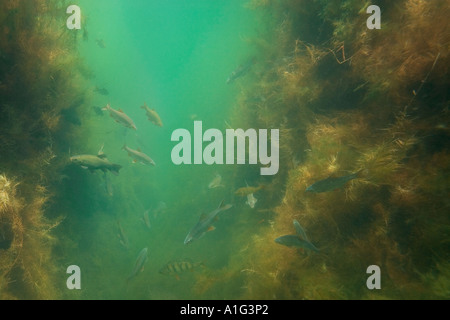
152	115
139	264
178	267
98	162
101	43
205	223
123	239
102	91
98	111
242	70
139	156
108	186
160	208
295	241
251	200
216	182
85	34
300	231
330	184
146	220
120	117
244	191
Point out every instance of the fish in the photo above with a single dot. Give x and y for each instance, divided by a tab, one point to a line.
291	240
160	208
251	200
205	223
152	115
178	267
98	111
241	70
108	186
141	260
139	156
245	191
216	182
120	117
102	91
146	220
300	231
98	162
330	183
100	43
123	239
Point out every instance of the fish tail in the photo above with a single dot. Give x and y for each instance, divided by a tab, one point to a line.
115	169
106	108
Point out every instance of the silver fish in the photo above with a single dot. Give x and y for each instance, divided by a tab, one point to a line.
139	156
295	241
120	117
216	182
98	162
251	200
139	264
205	223
330	183
123	239
146	220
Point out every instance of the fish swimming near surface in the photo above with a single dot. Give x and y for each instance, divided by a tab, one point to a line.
178	267
123	239
146	220
141	260
102	91
216	182
205	223
330	183
120	117
291	240
139	156
98	162
244	191
251	200
152	115
242	70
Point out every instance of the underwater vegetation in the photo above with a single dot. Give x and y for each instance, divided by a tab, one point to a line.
40	100
363	176
349	100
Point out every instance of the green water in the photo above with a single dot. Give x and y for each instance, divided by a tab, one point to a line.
363	174
176	57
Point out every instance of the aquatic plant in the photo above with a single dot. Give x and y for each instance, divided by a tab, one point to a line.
343	96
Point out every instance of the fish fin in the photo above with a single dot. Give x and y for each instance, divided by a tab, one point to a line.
124	146
211	228
177	277
203	216
221	203
120	110
139	149
116	120
115	169
142	269
135	161
84	167
102	156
